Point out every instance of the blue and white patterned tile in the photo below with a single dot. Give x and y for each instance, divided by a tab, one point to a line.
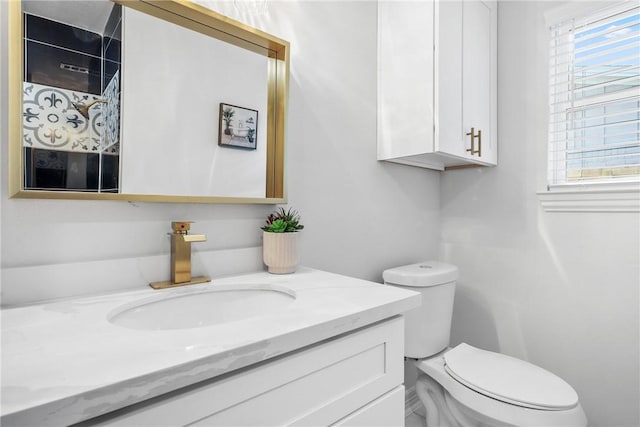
51	121
111	114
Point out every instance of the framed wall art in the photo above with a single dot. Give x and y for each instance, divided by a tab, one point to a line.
238	127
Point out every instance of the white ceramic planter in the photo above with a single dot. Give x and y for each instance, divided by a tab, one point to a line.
280	252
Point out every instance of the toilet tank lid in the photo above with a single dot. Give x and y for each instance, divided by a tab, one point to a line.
422	274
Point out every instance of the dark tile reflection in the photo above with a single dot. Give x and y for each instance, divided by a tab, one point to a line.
112	49
54	169
62	35
113	29
61	68
110	69
110	172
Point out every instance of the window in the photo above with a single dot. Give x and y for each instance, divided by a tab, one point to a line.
594	131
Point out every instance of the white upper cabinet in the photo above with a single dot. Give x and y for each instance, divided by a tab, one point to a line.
437	88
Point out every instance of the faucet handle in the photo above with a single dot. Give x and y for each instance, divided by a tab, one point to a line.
181	227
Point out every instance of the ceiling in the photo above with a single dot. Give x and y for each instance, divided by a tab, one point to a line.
90	15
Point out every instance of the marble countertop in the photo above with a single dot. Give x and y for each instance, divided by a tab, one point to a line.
64	362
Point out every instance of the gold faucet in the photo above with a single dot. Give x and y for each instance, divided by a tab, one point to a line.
181	257
83	109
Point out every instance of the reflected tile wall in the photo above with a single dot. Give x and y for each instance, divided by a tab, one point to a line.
110	172
62	56
62	35
111	115
53	169
51	121
112	43
65	65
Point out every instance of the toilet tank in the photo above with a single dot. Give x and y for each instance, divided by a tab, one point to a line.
427	328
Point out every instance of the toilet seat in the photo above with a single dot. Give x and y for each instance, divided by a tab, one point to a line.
492	411
508	379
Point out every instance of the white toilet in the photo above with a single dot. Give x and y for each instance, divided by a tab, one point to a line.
467	386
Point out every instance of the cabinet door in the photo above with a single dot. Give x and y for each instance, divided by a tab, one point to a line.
405	78
466	75
479	78
449	135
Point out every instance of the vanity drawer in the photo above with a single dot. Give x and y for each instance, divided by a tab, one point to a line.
319	385
385	411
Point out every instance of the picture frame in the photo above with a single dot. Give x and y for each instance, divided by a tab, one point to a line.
237	127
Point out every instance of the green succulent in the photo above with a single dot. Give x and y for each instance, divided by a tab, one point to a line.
283	221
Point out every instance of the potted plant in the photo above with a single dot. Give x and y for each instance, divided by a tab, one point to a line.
250	134
280	241
227	116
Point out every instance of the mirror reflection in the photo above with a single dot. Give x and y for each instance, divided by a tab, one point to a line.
146	101
71	95
174	102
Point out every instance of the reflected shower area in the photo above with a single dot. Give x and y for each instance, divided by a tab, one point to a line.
71	95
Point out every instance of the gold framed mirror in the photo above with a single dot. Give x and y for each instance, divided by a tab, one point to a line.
220	155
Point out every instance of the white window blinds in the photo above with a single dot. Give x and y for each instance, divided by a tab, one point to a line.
594	132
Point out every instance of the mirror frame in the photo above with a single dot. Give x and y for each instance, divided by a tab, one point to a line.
196	18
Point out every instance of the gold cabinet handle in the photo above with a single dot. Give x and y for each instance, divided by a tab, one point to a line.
473	136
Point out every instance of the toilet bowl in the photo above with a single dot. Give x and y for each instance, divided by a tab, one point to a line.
468	386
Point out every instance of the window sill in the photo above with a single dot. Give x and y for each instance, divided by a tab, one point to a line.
592	198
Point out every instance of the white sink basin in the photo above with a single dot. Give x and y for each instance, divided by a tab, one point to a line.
186	309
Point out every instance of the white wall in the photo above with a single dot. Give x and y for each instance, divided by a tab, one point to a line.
361	216
557	289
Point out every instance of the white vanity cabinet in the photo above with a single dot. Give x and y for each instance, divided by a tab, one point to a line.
437	87
354	379
332	355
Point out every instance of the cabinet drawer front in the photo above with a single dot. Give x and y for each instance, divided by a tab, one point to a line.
314	386
385	411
